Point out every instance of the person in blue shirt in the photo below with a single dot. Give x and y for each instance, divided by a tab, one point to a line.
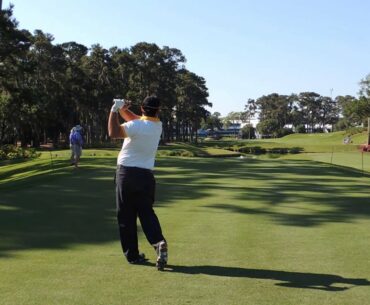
75	143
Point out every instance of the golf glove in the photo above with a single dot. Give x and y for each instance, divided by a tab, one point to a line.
118	104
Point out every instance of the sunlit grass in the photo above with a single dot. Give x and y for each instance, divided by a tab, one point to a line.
240	231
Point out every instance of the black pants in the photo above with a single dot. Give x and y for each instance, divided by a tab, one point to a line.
135	191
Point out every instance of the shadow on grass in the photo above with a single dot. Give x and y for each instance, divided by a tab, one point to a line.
327	282
67	207
31	164
58	209
295	193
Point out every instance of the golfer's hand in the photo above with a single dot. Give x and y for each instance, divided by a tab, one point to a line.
117	105
120	104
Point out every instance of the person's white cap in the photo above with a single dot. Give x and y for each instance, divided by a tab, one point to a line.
78	127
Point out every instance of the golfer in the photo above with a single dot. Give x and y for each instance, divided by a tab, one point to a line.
75	143
135	183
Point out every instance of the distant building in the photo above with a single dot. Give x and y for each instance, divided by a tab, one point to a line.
240	124
234	126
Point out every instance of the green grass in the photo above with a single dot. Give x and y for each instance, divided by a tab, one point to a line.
334	138
195	150
51	162
309	143
323	142
240	231
354	160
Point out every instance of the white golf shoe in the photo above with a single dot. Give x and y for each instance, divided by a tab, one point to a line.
162	255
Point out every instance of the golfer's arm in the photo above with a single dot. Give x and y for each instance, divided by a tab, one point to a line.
115	130
128	115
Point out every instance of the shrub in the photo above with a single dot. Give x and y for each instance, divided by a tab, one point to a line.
295	150
245	150
318	130
277	150
300	129
2	155
285	131
7	148
10	152
256	150
355	130
342	124
248	132
186	153
12	155
175	153
268	126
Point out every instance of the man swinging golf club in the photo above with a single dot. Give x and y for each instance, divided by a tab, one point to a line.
135	183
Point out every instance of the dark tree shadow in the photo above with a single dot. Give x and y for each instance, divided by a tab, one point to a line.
327	282
59	209
67	207
298	184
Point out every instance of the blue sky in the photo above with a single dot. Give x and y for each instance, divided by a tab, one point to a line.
244	49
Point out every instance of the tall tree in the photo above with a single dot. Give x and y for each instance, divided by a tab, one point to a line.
212	121
365	87
47	88
192	98
14	69
275	110
310	105
93	110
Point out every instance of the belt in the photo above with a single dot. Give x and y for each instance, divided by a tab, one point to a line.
133	168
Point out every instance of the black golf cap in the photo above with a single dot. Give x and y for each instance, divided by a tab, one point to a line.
151	102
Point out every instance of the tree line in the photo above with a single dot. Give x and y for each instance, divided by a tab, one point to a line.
279	115
309	112
47	88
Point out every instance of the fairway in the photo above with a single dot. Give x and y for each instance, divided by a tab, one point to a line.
240	231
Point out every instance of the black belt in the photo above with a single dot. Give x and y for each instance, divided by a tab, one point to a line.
133	168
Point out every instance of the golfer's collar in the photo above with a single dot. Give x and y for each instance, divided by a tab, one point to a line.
149	118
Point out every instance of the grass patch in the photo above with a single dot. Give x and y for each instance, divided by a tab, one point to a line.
308	143
240	231
56	162
194	150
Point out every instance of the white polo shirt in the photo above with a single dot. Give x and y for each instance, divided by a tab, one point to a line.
141	142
